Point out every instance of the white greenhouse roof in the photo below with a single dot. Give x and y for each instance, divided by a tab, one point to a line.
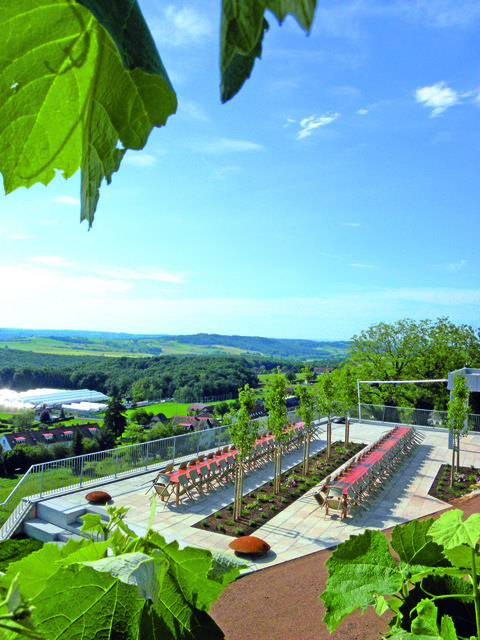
48	397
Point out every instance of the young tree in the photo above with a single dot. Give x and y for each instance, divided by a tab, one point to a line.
327	394
222	409
347	388
78	448
307	410
105	438
277	420
115	419
243	432
24	420
457	416
134	432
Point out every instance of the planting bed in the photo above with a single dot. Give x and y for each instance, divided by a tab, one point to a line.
466	480
260	505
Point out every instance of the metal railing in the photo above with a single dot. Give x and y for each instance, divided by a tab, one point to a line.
409	415
69	474
60	476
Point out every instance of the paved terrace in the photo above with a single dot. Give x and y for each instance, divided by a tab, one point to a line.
301	528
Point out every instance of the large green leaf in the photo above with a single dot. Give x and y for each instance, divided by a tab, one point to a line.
242	29
415	547
302	10
80	602
425	627
450	531
71	96
359	569
146	572
461	557
190	579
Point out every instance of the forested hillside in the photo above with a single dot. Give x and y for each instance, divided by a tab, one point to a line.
118	344
273	347
146	378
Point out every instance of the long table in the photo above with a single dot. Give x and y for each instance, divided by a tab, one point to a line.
208	462
376	454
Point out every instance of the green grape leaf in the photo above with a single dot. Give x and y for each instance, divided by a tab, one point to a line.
190	573
146	572
80	84
360	569
425	622
447	629
425	626
34	569
88	553
450	531
243	27
414	546
302	10
80	602
461	557
225	568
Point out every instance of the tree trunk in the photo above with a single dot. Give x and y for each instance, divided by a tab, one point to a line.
458	452
452	470
347	429
306	452
329	439
277	468
238	493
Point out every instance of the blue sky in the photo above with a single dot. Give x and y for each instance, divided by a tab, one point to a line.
338	189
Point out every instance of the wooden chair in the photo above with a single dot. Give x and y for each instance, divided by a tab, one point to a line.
197	481
163	487
335	501
320	499
183	466
193	463
185	486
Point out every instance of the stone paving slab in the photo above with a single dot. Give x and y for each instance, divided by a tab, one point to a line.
301	528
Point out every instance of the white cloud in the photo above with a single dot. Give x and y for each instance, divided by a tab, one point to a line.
181	27
140	159
359	265
66	200
108	304
147	273
308	125
16	236
193	110
351	224
438	97
362	112
29	286
218	146
51	261
453	267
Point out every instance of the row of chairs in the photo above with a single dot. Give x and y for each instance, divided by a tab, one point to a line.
199	479
206	471
370	483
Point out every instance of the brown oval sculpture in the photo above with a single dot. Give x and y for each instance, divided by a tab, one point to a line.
249	544
99	497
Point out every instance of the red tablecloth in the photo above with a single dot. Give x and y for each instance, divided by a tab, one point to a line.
373	456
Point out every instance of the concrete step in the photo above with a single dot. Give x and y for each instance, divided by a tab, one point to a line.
58	511
42	530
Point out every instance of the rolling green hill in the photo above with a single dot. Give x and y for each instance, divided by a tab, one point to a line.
89	343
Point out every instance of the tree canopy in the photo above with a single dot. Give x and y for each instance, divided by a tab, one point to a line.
412	350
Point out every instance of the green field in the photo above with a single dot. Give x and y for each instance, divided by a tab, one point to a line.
196	345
